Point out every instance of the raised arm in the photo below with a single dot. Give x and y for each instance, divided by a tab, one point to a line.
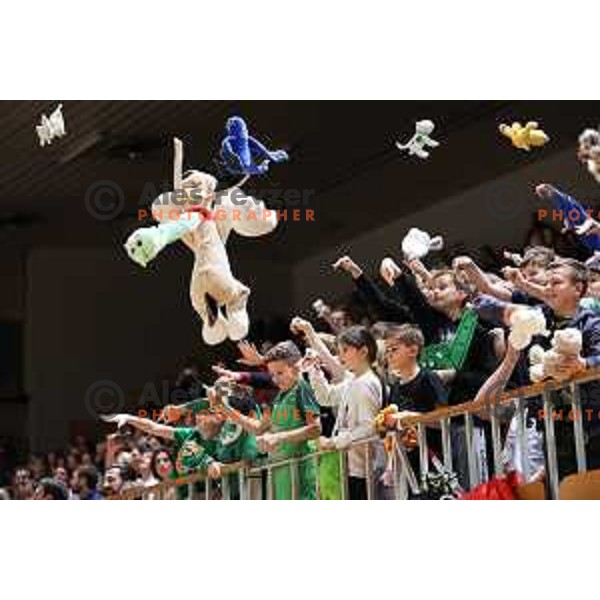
327	394
389	308
479	279
496	383
330	362
147	425
249	424
255	379
533	289
419	270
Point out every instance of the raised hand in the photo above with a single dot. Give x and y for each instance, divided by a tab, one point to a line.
545	190
389	270
214	470
300	326
251	357
226	374
310	361
267	442
120	420
345	263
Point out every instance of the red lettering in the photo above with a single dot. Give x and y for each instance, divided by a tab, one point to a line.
174	414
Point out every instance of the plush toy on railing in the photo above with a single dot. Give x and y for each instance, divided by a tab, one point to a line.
418	243
387	425
186	214
589	151
566	345
241	153
526	137
418	142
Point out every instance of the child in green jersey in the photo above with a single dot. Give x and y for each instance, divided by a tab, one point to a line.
290	429
212	442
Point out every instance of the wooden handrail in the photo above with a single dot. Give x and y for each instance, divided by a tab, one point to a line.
525	392
441	414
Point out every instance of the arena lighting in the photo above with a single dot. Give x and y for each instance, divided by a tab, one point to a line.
82	146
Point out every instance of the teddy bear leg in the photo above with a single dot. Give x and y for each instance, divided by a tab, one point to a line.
216	333
238	322
213	323
420	152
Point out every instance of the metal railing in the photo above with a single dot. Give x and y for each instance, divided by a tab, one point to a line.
258	481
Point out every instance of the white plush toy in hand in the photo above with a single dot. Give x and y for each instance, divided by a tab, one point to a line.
566	343
417	142
202	218
526	323
418	243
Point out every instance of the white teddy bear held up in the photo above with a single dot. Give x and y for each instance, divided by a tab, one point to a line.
566	343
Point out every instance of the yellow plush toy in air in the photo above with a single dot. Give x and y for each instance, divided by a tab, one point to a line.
526	137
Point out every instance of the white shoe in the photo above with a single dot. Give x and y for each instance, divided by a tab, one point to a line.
216	333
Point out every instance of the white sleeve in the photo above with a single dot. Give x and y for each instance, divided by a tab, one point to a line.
366	397
331	363
327	394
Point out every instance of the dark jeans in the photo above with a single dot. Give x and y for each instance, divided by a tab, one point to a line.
357	488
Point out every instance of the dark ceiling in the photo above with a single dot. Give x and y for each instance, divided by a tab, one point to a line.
342	156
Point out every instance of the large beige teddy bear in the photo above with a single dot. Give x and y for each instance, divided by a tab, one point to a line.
566	343
202	218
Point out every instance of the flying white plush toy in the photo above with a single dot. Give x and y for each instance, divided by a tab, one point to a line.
589	151
51	127
566	343
418	243
202	218
421	139
526	323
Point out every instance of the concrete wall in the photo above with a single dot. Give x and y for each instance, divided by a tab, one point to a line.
93	315
13	410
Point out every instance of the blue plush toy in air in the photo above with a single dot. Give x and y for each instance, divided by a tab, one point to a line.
244	155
